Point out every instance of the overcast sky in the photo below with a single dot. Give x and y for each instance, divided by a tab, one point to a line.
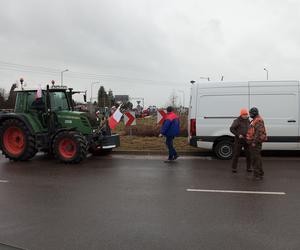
148	48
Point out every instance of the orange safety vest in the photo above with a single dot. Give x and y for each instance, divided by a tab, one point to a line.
262	133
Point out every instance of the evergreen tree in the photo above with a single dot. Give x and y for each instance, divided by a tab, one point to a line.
111	99
102	97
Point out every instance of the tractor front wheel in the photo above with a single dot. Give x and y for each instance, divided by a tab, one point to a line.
16	143
69	147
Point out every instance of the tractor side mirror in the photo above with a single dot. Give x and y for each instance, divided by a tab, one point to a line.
84	97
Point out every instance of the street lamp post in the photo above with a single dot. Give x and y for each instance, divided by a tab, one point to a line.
92	84
267	71
61	76
183	97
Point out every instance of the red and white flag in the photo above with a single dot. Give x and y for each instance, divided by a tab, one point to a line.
115	118
38	93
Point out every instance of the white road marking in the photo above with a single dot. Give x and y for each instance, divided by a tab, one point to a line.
234	191
3	181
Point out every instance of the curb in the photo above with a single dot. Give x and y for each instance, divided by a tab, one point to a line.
154	152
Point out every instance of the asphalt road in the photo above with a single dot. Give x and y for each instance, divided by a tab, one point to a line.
128	202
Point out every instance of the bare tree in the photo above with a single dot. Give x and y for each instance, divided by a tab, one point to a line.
10	103
2	101
2	92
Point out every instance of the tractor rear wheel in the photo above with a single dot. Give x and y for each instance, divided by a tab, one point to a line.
16	143
69	147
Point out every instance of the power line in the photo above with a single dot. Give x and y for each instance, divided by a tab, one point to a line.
29	66
79	75
28	71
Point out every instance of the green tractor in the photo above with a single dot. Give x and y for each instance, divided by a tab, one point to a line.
49	123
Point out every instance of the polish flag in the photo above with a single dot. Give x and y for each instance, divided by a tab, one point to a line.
115	118
38	93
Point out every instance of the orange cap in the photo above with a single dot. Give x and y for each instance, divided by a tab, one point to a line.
244	112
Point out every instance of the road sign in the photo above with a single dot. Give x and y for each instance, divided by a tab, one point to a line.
129	118
161	114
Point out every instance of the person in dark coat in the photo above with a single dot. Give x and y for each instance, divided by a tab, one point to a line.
240	128
170	129
256	136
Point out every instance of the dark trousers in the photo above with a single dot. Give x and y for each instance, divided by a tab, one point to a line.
169	143
238	146
256	160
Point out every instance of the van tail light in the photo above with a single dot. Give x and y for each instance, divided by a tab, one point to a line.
193	127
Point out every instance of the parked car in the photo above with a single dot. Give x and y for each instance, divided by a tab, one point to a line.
152	109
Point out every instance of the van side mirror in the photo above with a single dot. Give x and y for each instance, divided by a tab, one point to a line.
84	97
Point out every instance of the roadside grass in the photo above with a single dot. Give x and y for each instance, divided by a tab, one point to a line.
139	143
144	136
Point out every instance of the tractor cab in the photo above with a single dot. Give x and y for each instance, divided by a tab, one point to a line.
36	104
56	101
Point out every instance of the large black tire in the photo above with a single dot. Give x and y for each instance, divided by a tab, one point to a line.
224	149
100	152
16	141
69	147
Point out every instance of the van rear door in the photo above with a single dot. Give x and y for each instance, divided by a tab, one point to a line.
278	103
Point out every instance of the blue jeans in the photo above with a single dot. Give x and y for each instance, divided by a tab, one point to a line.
172	151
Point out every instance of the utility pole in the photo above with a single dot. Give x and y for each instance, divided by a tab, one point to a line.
183	97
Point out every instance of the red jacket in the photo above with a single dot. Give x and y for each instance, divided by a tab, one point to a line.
171	125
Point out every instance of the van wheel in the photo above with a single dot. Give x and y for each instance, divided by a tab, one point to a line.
224	150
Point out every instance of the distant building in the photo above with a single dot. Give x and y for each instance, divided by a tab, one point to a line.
121	98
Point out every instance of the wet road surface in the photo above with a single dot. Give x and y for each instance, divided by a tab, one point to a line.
139	202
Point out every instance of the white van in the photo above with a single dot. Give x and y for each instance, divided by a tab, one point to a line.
214	106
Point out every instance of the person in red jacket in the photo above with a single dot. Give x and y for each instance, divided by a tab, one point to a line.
170	129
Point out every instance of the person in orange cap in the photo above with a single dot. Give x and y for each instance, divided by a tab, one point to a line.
240	128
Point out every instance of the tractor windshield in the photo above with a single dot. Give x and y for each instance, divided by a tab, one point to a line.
59	101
